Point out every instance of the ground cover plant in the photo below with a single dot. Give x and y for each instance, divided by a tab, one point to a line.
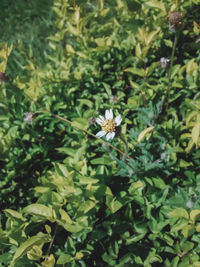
100	133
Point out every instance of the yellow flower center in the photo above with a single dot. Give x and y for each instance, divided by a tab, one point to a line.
108	126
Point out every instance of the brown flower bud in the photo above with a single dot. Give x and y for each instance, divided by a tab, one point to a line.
175	20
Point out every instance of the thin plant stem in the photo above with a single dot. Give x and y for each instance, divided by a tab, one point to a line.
82	129
166	98
125	146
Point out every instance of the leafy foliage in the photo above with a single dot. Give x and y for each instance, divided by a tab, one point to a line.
70	199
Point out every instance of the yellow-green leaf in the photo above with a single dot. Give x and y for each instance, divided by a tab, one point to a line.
49	261
156	4
191	67
198	228
138	51
65	217
40	238
14	214
136	71
144	133
194	215
35	253
64	258
196	133
39	210
179	213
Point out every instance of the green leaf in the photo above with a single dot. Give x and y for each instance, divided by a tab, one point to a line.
39	210
179	213
35	253
14	214
105	160
88	180
38	239
61	169
49	261
187	246
136	71
144	133
156	4
64	258
194	215
65	217
196	134
86	206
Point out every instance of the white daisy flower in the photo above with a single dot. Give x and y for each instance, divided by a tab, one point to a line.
108	124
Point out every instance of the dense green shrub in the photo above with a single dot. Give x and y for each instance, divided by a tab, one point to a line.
69	198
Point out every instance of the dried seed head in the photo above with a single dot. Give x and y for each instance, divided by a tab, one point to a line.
175	20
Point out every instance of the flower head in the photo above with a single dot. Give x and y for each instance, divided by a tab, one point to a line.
108	124
28	117
164	62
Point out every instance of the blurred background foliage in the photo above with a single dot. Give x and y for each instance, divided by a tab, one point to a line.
67	199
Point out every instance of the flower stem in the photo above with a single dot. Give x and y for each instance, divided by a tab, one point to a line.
125	146
82	129
166	97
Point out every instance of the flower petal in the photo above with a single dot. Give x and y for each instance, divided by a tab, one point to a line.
99	121
110	136
100	134
118	120
101	117
109	114
113	135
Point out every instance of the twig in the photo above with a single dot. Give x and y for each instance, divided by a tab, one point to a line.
84	130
